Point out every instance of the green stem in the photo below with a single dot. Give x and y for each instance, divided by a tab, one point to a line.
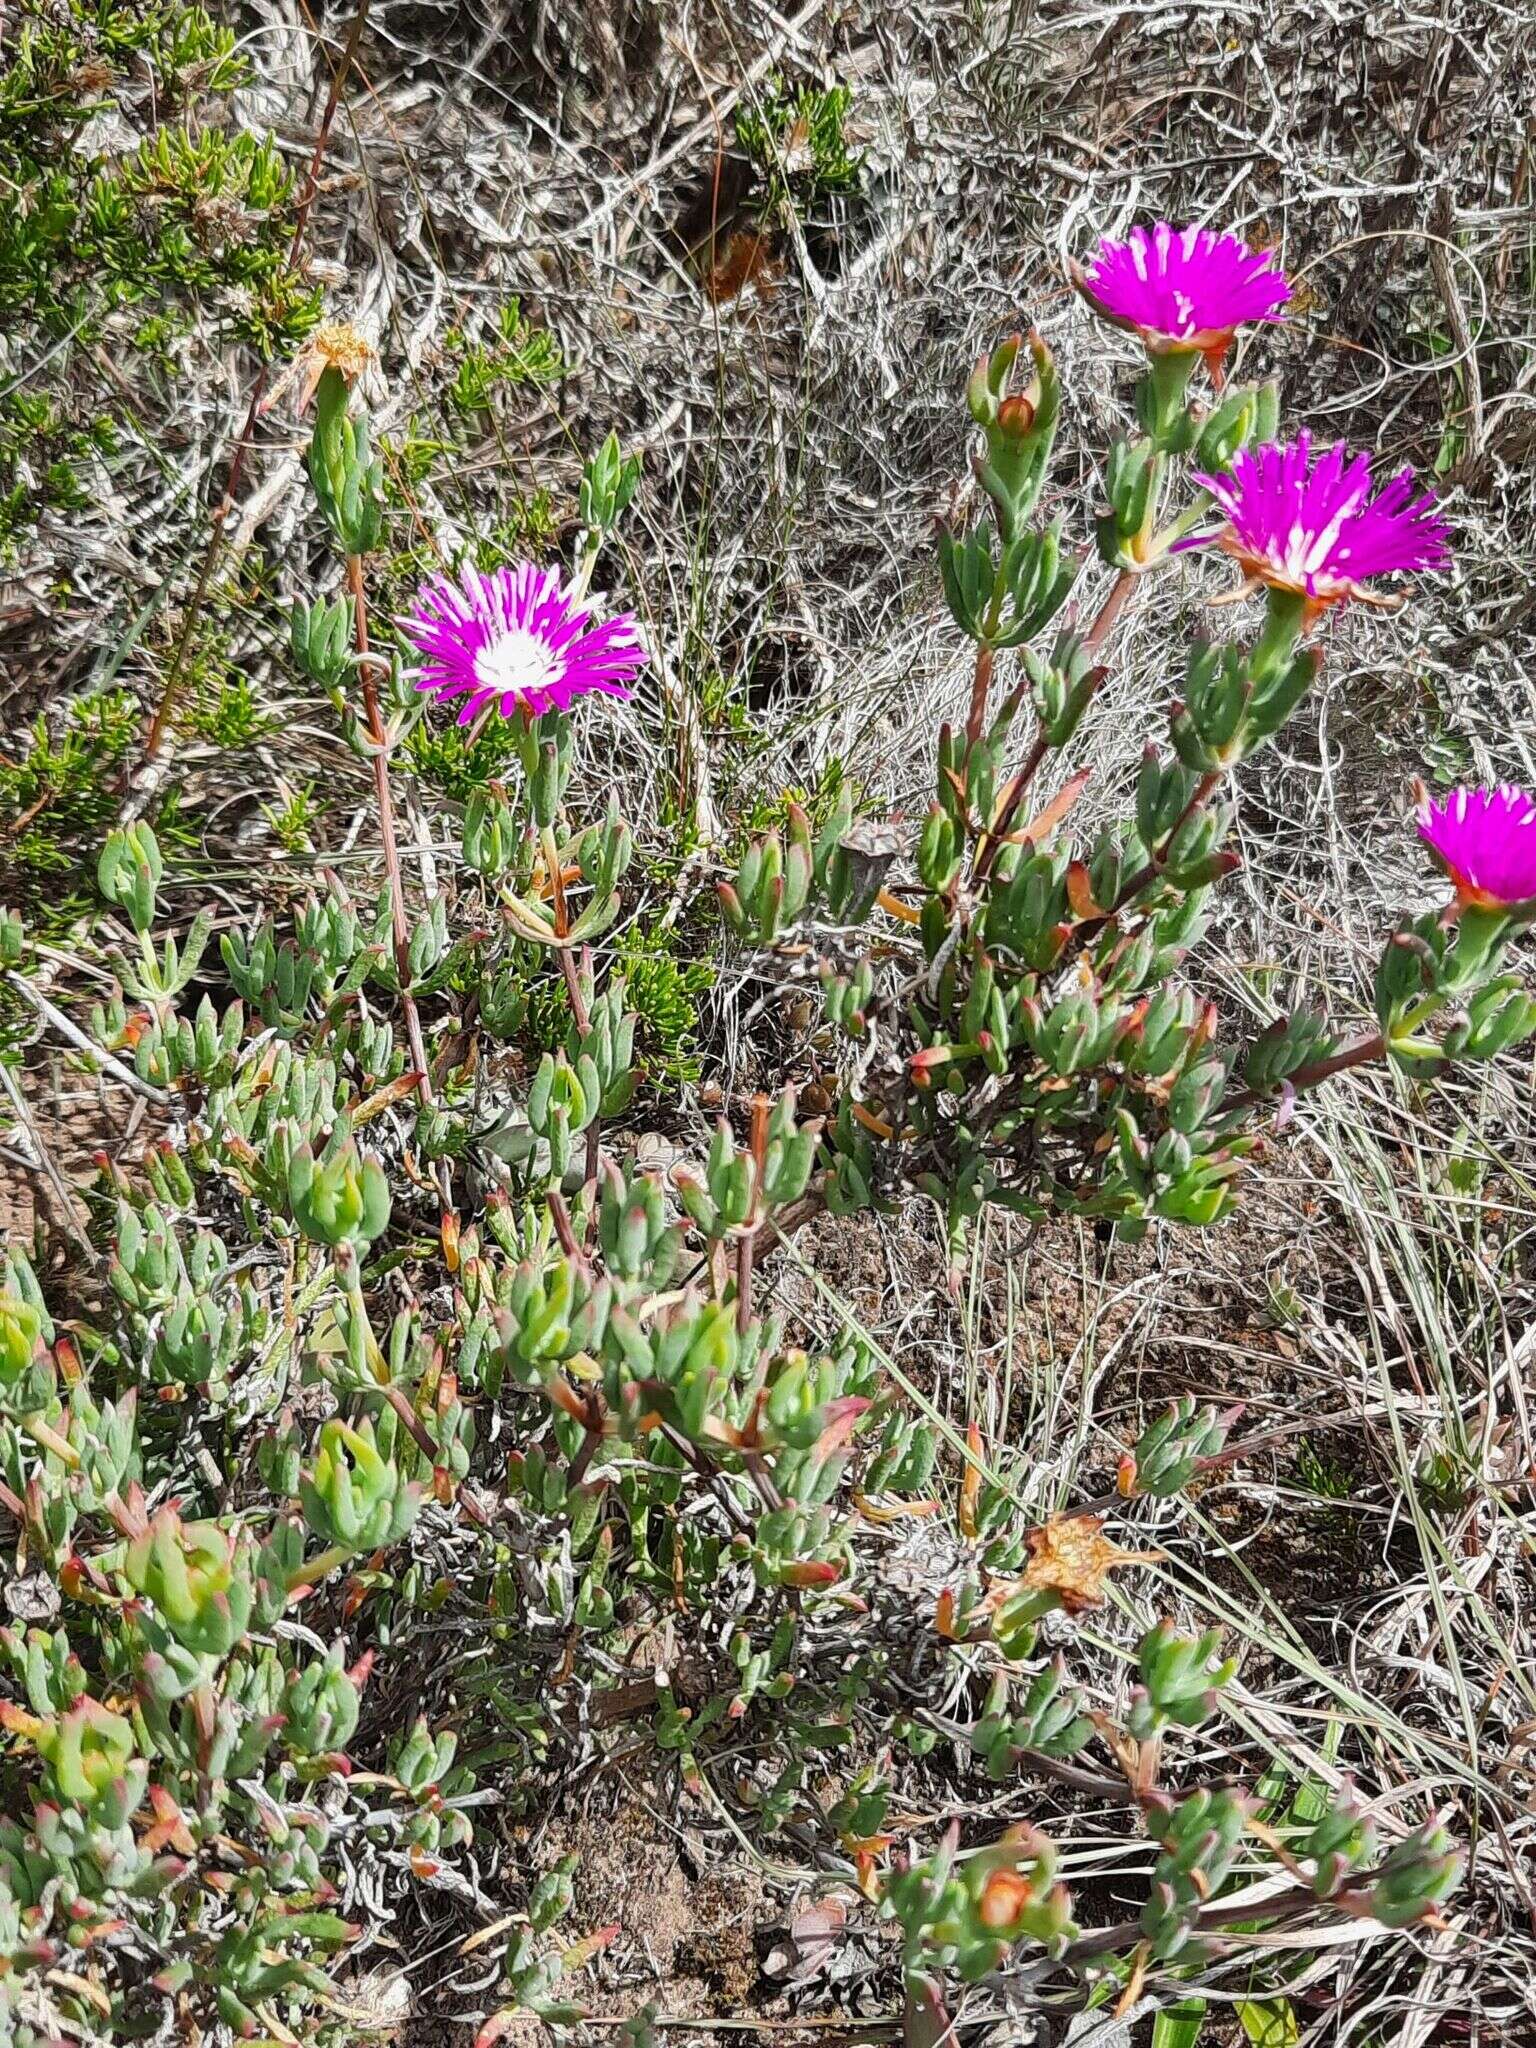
1282	629
318	1567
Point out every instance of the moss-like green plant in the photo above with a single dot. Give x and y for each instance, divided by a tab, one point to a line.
194	222
796	138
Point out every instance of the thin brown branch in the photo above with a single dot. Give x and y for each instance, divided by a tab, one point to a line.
220	516
384	803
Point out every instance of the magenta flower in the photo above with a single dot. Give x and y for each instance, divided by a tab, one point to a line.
1485	839
1183	290
1315	528
517	638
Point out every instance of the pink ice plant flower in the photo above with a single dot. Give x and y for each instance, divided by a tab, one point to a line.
517	638
1485	839
1183	290
1315	528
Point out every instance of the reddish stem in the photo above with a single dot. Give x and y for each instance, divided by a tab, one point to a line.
384	802
976	718
1359	1053
1145	875
747	1239
1110	610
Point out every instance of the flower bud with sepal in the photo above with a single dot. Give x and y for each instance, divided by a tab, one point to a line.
859	1173
1020	429
204	1046
1417	1876
967	1915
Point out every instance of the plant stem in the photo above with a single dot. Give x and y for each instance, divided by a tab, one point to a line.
1363	1050
564	1229
1110	610
384	803
1359	1053
976	718
583	1017
318	1567
747	1239
237	460
1148	874
590	1442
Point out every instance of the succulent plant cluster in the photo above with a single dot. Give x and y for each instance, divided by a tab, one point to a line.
1021	1019
493	1375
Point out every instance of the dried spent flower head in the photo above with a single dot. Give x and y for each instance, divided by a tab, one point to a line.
517	638
1071	1556
1182	290
1485	839
333	345
1315	528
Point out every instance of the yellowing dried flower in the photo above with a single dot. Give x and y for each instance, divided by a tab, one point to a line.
334	345
1071	1557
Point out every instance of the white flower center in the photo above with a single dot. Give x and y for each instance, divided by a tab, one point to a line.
516	663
